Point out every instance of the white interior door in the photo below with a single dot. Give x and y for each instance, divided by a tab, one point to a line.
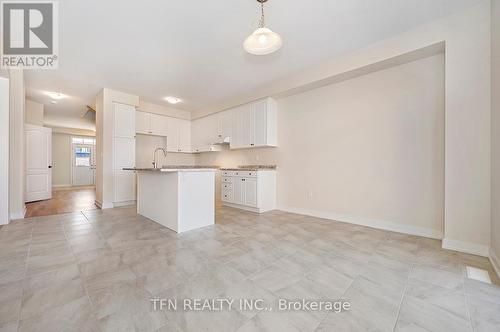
83	165
38	163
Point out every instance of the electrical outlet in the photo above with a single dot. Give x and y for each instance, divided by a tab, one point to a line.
310	194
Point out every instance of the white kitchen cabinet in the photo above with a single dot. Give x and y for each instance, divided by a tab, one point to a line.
184	134
143	123
179	135
249	190
159	125
124	130
224	124
255	125
203	134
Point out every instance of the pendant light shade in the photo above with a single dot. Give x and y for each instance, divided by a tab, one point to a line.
262	41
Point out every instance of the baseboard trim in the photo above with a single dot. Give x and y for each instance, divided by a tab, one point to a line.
104	206
243	207
61	186
466	247
495	262
121	204
18	215
373	223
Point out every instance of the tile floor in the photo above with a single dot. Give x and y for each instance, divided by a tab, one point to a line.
98	270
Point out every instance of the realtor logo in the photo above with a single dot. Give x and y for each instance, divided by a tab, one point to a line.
29	34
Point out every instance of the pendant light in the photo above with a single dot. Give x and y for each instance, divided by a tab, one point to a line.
262	41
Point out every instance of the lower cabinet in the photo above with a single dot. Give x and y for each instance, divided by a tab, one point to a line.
249	190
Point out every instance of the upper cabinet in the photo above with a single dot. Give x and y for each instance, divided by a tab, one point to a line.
179	135
255	125
143	123
177	131
159	125
247	126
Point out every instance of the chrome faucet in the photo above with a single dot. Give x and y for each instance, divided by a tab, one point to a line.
155	164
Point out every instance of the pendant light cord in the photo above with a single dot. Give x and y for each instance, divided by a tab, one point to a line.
262	18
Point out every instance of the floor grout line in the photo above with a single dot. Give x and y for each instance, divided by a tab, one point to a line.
403	296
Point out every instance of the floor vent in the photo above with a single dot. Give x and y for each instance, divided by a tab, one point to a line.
478	274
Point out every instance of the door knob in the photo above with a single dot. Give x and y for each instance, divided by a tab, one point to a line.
50	166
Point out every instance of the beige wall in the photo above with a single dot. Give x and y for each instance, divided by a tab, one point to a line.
61	160
495	128
16	148
371	148
145	145
34	113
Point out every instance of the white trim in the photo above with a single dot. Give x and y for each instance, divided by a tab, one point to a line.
126	203
466	247
495	262
373	223
18	215
62	186
103	206
4	151
242	207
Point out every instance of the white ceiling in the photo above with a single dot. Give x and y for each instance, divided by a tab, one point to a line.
192	49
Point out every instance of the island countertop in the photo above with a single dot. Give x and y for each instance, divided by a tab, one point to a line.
174	168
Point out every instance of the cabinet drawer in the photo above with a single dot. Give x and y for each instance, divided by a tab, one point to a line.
227	196
227	173
247	174
227	186
227	180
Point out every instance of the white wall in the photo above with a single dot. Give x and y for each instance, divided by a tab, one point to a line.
495	139
16	152
4	151
371	148
145	146
61	160
34	113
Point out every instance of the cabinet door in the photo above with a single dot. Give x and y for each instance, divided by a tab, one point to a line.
247	126
124	120
142	123
238	187
124	185
124	152
184	135
224	124
173	134
250	191
259	123
196	130
159	125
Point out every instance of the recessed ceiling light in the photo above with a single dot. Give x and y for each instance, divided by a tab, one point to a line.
53	102
173	100
56	95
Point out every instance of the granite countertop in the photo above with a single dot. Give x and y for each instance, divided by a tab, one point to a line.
252	168
172	168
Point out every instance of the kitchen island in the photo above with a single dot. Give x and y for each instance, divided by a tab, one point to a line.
181	198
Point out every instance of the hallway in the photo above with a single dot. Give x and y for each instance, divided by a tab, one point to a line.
63	201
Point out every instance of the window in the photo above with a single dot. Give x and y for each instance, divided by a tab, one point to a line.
82	156
82	140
